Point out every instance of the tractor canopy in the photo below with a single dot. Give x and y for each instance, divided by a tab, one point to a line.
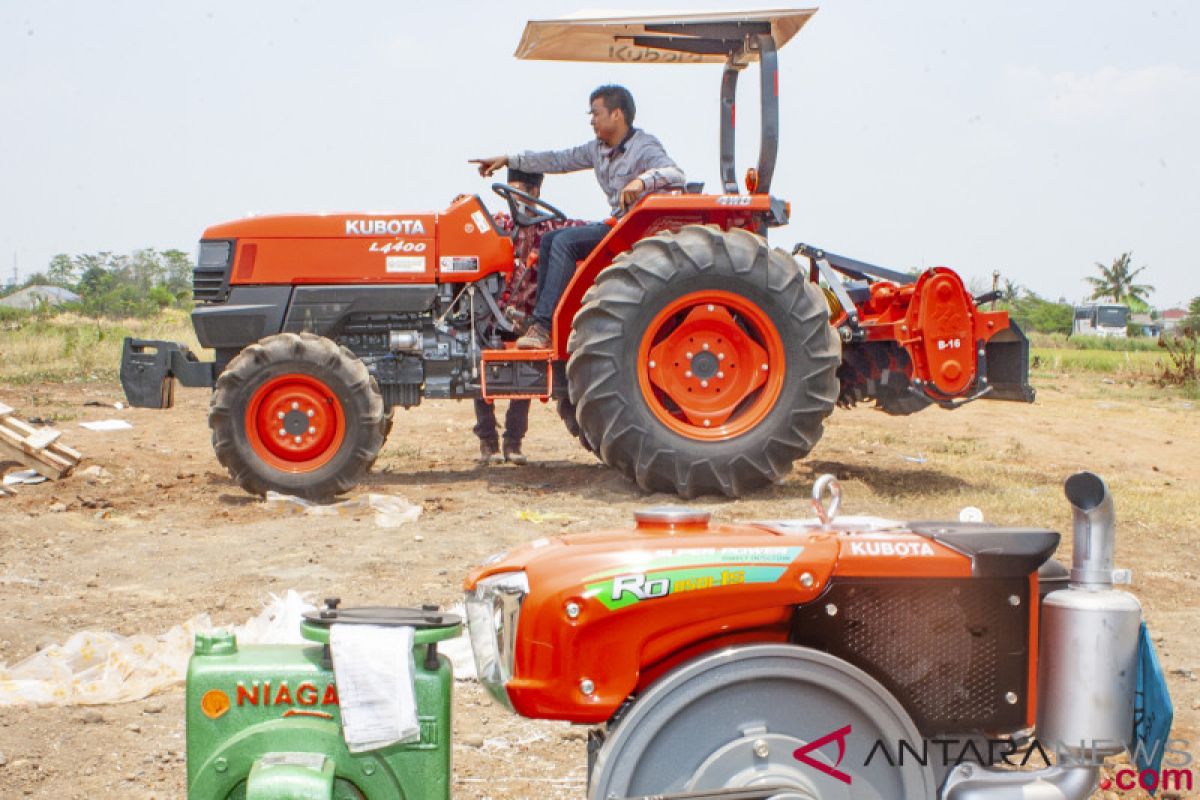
663	38
734	38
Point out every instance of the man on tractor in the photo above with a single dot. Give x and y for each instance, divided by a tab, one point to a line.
517	303
628	163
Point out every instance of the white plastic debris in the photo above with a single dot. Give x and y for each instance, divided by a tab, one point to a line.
458	650
106	425
24	476
970	514
95	667
391	511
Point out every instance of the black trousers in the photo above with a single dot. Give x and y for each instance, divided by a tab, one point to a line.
516	421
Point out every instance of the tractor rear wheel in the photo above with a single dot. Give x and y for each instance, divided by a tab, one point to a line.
566	412
297	414
703	362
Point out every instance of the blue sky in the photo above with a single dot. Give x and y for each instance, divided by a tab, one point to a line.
1032	138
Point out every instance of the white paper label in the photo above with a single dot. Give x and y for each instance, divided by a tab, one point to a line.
406	263
481	223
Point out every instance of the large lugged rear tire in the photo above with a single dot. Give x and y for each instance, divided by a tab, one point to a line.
297	414
703	362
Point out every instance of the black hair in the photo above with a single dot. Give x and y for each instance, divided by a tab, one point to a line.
528	178
615	97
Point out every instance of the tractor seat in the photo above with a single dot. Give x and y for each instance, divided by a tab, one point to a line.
994	552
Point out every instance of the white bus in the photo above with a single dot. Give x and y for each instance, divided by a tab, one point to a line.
1101	319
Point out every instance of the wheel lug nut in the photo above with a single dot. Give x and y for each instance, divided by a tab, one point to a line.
312	429
311	413
720	356
764	367
282	432
705	345
704	384
711	307
688	354
687	374
280	415
295	406
720	374
298	440
707	423
653	365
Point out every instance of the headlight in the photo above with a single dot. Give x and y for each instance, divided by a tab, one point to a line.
493	611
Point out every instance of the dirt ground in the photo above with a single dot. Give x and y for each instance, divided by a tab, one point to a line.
164	535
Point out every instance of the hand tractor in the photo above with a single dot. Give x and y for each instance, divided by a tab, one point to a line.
837	657
686	352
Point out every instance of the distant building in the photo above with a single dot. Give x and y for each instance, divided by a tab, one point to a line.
1171	318
1150	327
31	297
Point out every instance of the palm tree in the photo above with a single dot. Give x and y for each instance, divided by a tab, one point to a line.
1116	282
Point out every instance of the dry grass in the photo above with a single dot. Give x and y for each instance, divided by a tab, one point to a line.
69	348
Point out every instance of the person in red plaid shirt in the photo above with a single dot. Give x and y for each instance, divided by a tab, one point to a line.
517	303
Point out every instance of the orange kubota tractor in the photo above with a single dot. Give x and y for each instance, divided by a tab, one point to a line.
687	353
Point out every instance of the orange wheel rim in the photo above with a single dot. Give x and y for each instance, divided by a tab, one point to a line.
295	423
710	365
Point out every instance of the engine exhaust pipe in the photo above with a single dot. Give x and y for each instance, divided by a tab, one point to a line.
1095	531
1087	667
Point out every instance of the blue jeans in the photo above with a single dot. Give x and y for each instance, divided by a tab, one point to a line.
559	251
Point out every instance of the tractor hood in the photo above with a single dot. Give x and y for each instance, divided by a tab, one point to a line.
661	39
324	226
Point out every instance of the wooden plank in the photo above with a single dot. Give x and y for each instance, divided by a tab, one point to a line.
42	465
37	448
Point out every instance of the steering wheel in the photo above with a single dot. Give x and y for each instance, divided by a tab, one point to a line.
521	203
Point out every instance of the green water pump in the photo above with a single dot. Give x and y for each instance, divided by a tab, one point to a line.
264	722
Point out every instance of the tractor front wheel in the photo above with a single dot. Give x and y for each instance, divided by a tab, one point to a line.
703	362
297	414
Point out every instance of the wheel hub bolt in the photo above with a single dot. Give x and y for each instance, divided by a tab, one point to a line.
707	422
704	346
295	406
282	432
764	367
312	429
760	748
311	413
687	374
720	374
721	356
653	365
711	307
704	384
298	440
280	415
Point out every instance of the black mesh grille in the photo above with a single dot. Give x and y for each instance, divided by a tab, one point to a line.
949	650
210	278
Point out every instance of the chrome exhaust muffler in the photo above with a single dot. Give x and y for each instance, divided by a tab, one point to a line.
1087	667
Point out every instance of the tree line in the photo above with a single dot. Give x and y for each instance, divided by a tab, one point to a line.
114	285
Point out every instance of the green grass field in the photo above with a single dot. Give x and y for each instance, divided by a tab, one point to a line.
70	348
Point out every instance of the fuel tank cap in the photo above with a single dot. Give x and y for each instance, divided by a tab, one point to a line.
672	517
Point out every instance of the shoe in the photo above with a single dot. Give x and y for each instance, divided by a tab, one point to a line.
513	454
536	338
489	454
